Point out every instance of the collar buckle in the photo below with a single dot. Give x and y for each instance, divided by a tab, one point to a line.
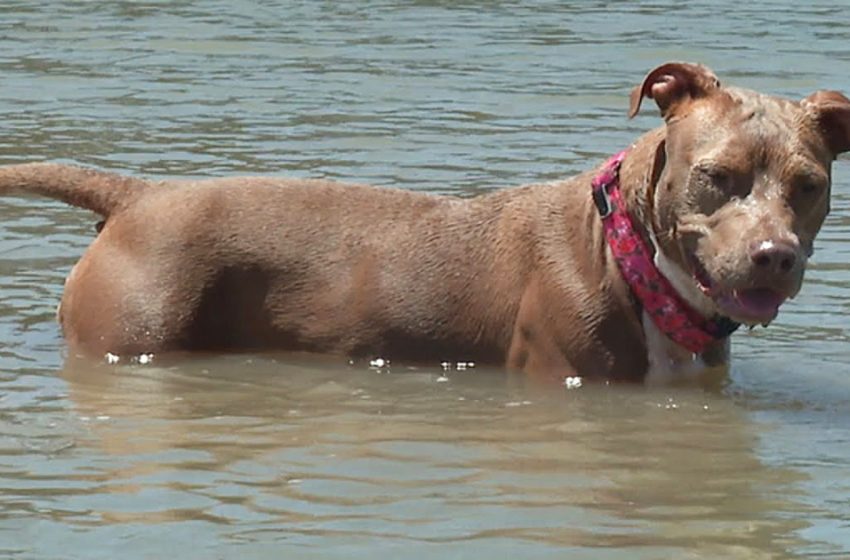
722	327
602	200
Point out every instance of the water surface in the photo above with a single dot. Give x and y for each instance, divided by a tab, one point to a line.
303	457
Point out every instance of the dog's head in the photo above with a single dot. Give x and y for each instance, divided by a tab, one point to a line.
740	186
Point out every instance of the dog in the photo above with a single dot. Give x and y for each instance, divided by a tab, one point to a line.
643	265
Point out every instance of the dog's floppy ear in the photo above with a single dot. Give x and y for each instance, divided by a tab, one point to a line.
673	83
831	110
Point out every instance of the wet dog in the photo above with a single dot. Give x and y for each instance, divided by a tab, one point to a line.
642	264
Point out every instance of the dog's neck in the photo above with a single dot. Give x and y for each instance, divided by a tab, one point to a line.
638	181
638	193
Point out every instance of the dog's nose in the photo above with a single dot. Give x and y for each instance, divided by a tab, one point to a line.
773	257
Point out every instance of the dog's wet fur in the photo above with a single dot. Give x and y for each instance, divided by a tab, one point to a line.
731	190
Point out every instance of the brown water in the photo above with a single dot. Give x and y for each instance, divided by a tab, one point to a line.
305	457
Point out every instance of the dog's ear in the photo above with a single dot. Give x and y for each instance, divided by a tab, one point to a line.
672	84
831	110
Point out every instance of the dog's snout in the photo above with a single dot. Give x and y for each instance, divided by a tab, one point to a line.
775	257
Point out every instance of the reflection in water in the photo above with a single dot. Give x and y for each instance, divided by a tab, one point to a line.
306	452
313	458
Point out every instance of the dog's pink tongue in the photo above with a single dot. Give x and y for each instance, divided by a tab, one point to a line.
759	302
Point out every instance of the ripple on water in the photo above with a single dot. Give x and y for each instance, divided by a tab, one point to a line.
253	456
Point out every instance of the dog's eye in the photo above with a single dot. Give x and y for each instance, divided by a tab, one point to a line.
809	187
720	177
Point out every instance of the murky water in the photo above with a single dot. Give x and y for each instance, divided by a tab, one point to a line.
304	457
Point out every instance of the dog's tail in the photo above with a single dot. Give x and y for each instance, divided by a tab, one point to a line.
98	191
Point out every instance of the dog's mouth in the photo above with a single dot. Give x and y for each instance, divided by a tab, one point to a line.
751	306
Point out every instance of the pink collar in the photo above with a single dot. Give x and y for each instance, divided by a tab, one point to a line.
670	313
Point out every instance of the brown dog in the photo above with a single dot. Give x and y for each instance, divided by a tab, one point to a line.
728	195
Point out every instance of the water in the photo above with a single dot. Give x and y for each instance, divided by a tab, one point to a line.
304	457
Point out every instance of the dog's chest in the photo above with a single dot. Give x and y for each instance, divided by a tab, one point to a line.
667	360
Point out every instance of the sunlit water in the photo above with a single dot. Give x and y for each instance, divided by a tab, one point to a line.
305	457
